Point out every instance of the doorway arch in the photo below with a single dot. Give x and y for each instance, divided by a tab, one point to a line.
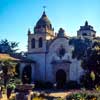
26	74
61	78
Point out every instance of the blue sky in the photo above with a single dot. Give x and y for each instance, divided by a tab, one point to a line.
16	16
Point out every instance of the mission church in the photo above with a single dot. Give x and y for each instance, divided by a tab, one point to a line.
50	54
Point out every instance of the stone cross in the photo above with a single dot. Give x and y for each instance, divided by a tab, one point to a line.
44	7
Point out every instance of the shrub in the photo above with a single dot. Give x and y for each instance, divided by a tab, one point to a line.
48	85
97	87
73	85
84	95
43	85
11	86
39	84
77	96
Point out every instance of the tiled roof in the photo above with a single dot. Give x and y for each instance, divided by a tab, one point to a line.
7	57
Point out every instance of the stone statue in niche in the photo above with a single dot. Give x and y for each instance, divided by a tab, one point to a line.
61	52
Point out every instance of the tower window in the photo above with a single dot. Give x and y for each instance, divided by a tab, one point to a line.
40	42
33	43
84	34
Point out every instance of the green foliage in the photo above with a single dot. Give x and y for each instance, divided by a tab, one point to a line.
8	47
91	65
92	75
14	81
80	46
84	95
17	81
72	85
97	87
11	86
8	69
77	96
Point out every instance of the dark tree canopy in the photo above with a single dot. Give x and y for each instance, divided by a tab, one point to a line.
88	50
91	65
80	46
8	47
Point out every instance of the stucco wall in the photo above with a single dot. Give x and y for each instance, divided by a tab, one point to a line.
40	68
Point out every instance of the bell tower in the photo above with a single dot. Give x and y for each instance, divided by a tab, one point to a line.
86	31
42	32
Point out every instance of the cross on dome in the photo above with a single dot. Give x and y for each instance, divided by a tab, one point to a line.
44	7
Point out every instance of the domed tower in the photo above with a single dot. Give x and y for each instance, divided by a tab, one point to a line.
43	26
86	31
43	32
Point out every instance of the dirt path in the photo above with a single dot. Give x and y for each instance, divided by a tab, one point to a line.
60	94
4	97
52	94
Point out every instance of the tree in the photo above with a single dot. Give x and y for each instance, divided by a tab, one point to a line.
91	65
8	47
80	46
8	68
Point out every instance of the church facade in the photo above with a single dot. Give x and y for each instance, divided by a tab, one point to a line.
51	54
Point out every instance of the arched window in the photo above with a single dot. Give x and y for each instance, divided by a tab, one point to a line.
40	42
33	43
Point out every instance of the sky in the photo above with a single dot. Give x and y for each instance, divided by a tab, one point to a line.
17	16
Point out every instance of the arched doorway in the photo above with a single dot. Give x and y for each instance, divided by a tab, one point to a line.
26	75
60	78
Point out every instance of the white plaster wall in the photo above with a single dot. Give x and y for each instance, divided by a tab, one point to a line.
75	70
49	68
40	68
53	56
33	72
22	65
57	43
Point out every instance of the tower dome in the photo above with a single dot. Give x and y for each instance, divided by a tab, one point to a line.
43	23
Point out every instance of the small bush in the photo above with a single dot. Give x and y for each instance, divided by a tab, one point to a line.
84	95
39	84
48	85
97	87
43	85
73	85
